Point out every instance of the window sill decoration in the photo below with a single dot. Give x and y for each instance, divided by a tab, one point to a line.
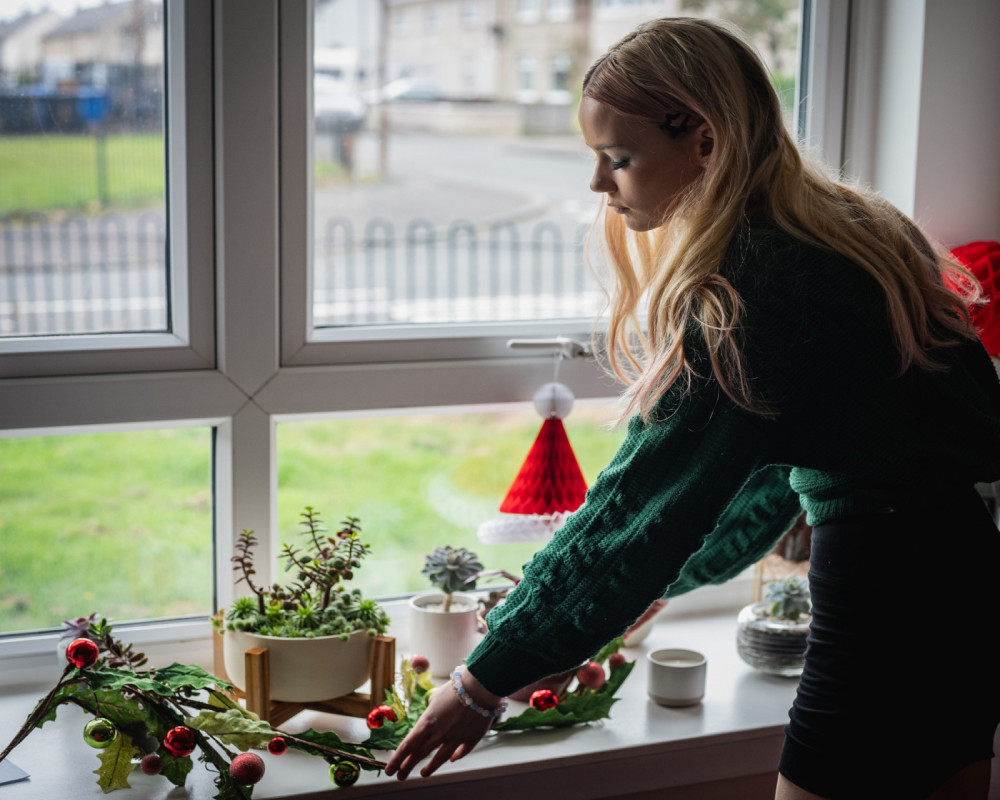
160	720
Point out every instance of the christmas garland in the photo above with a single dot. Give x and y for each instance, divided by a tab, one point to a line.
157	719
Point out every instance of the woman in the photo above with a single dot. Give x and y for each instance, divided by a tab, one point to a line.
803	347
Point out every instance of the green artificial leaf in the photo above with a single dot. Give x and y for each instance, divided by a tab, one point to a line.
64	695
116	764
224	701
122	711
617	678
611	647
233	727
115	679
178	676
302	741
175	768
573	709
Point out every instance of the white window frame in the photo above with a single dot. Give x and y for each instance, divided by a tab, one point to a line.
190	344
264	368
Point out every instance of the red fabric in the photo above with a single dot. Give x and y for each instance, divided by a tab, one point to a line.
550	479
983	260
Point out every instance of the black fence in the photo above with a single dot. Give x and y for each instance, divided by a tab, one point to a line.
107	273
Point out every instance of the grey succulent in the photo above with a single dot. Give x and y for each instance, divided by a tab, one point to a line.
450	569
789	598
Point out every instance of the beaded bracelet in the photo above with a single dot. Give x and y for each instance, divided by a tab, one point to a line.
468	702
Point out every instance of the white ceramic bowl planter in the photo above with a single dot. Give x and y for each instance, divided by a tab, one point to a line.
445	638
303	670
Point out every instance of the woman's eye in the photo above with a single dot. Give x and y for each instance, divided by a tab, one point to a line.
622	162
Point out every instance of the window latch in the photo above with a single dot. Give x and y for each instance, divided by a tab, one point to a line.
562	346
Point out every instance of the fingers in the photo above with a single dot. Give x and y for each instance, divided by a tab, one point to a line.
443	754
462	750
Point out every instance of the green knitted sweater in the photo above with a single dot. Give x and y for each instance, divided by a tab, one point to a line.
707	489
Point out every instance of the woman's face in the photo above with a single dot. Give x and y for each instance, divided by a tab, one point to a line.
641	168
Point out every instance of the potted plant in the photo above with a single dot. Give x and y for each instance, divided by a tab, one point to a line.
443	623
317	632
771	634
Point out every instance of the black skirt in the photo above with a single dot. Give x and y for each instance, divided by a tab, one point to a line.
901	687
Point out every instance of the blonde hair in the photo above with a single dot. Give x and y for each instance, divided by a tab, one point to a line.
699	68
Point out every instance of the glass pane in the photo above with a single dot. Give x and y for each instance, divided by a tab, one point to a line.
118	523
420	482
82	211
451	182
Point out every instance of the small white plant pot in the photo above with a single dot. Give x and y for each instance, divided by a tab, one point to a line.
303	670
446	639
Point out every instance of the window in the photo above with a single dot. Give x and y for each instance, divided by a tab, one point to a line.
470	13
95	263
116	521
528	10
560	89
314	226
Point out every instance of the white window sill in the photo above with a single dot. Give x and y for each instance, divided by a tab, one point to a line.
735	733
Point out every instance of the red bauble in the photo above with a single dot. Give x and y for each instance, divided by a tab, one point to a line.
179	741
543	699
277	746
82	653
591	675
378	715
616	660
419	663
151	764
247	769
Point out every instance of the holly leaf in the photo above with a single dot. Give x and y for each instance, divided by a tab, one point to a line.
120	710
64	695
179	676
175	768
233	727
224	701
573	709
391	734
306	740
117	679
116	764
617	678
611	647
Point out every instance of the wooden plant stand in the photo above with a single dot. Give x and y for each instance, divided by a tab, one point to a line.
356	704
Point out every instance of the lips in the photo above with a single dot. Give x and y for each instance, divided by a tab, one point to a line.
617	209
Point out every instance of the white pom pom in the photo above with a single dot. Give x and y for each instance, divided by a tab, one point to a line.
554	400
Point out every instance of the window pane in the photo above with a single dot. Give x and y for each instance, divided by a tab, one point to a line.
82	211
420	482
451	182
118	523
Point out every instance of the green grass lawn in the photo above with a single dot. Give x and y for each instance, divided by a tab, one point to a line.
120	523
47	172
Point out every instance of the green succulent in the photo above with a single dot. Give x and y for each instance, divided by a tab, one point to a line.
315	603
789	598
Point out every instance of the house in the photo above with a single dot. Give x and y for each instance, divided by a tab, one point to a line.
21	46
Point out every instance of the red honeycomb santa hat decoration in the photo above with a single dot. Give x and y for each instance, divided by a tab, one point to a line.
549	485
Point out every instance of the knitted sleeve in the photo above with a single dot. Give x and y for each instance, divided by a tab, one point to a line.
680	486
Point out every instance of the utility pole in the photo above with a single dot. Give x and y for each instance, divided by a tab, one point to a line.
381	80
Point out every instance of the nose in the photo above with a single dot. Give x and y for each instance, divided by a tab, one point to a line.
600	181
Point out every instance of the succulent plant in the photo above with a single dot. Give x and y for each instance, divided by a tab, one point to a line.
450	569
789	598
316	603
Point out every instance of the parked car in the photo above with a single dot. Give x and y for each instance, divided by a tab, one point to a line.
336	109
407	90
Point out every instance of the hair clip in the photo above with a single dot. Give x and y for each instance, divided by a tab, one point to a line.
675	123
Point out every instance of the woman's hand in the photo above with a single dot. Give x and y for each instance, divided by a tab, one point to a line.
447	725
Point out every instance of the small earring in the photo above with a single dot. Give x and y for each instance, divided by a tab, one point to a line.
675	124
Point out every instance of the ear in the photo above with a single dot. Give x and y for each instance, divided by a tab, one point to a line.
705	144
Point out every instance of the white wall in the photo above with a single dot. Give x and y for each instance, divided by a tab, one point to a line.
924	109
